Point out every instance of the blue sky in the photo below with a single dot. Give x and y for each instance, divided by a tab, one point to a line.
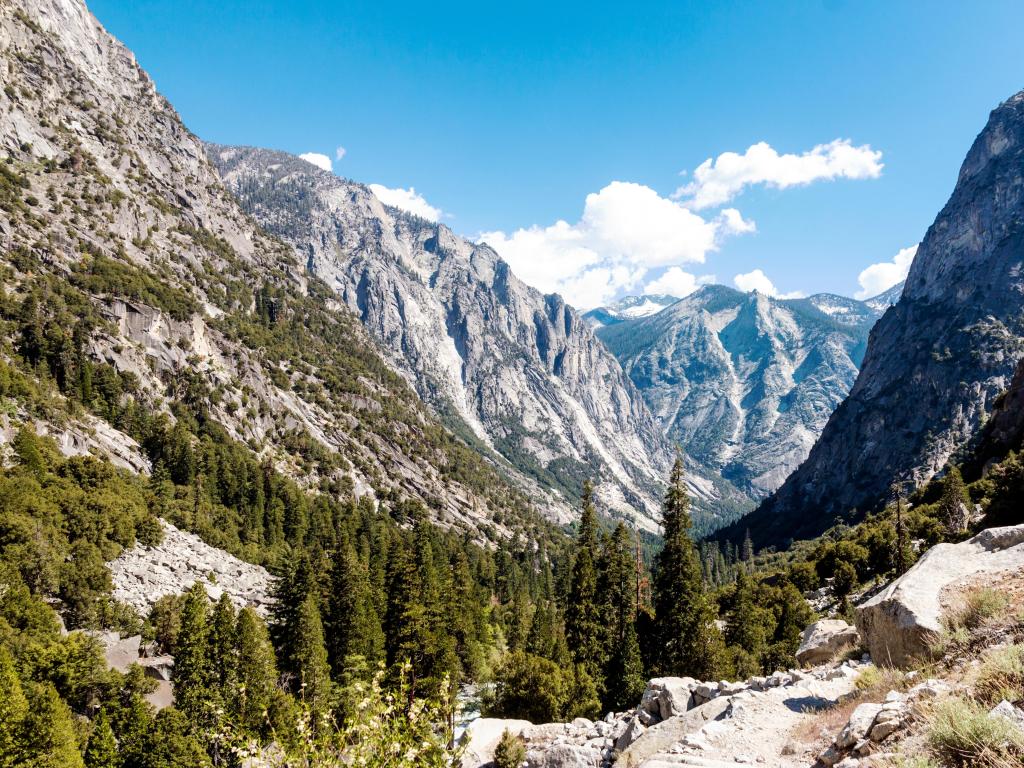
505	117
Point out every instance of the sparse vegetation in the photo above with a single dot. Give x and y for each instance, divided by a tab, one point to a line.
961	732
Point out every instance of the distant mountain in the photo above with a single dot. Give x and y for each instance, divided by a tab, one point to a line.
744	382
629	308
887	298
936	361
519	373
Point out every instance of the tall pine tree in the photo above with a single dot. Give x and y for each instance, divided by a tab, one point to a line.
689	643
583	631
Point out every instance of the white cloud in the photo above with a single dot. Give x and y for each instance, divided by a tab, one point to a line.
675	282
320	161
339	153
883	276
408	200
626	230
757	280
717	181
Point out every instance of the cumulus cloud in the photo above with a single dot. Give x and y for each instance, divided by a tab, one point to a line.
757	280
676	282
883	276
408	200
339	153
625	231
317	159
717	181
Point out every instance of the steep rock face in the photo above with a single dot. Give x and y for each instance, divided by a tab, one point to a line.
522	370
744	382
109	205
935	361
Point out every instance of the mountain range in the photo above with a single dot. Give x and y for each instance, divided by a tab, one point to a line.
744	382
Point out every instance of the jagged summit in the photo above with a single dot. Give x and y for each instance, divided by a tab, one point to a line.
744	381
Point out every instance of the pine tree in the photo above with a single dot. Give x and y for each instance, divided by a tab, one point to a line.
623	671
689	643
223	659
583	630
314	673
13	709
101	750
625	679
748	548
954	506
50	732
193	674
352	624
257	671
748	625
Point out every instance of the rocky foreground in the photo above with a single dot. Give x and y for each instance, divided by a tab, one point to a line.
842	711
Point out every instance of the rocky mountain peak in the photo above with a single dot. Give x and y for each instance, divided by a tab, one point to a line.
936	361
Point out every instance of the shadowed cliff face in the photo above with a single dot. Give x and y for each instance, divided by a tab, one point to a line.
521	371
936	361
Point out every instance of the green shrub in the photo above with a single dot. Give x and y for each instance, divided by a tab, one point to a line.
510	752
962	732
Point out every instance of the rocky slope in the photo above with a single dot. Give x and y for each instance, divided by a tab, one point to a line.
936	361
520	371
743	381
121	247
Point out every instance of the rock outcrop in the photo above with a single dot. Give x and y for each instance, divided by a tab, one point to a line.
823	639
142	575
936	361
745	381
900	624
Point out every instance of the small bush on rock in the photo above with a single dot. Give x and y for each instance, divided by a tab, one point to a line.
510	752
1001	676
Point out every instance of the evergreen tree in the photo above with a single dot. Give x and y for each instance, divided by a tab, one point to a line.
954	504
193	673
13	709
257	671
353	626
101	750
223	657
625	679
50	740
583	630
689	642
623	670
314	673
747	627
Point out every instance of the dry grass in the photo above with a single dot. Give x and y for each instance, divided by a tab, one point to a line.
1001	676
962	733
975	608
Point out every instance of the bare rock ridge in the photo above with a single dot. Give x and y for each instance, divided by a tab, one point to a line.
745	382
936	361
520	371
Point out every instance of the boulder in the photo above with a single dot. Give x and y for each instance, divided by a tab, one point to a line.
861	720
667	697
483	735
823	639
564	756
663	736
1008	711
900	624
633	731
